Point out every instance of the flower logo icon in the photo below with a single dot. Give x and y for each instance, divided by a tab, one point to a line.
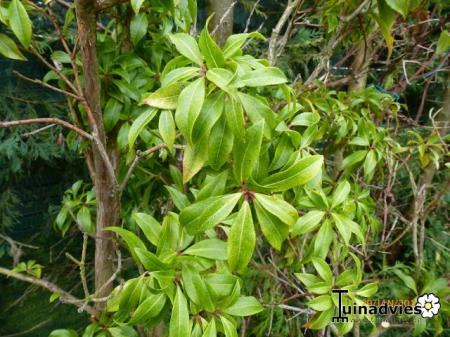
429	304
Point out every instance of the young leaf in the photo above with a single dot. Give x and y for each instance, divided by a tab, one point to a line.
167	129
9	49
228	327
187	46
211	249
139	124
244	306
241	239
246	154
323	239
179	321
278	207
207	213
220	77
323	269
273	229
307	223
179	199
149	225
297	174
264	76
220	144
164	98
210	330
321	321
149	308
19	22
340	193
178	75
210	50
130	239
368	290
321	303
234	43
190	103
84	220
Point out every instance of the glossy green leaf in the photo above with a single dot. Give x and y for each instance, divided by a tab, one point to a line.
208	213
306	119
246	153
297	174
228	327
321	303
241	239
149	308
19	22
84	220
123	331
264	76
346	226
353	159
323	269
148	225
136	5
368	290
139	124
187	46
195	156
190	102
234	114
212	53
369	165
149	260
234	43
179	75
179	198
211	249
130	239
322	320
138	27
443	43
340	193
111	113
273	229
9	49
214	187
210	330
278	207
166	128
400	6
63	333
220	77
244	306
220	144
307	222
164	98
179	321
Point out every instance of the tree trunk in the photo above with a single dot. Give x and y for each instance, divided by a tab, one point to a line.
107	196
224	23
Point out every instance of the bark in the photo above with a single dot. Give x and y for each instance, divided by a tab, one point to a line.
107	196
222	19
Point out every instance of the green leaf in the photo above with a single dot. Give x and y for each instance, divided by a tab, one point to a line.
369	165
228	327
210	330
63	333
9	49
323	269
211	249
234	43
179	321
307	222
407	280
187	46
308	279
179	75
345	278
297	174
400	6
346	226
139	124
149	308
340	193
235	117
385	20
241	239
256	110
220	144
130	239
323	239
195	156
220	77
353	159
321	321
136	5
164	98
368	290
443	43
210	50
149	260
321	303
19	22
244	306
306	119
246	153
149	225
264	76
179	198
166	128
278	207
111	113
190	103
138	27
273	229
214	187
209	115
84	220
123	331
208	213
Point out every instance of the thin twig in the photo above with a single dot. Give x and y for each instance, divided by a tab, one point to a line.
32	133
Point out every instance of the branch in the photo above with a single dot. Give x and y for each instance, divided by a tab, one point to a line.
223	17
138	157
65	297
49	120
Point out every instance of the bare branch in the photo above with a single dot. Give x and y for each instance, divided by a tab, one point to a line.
49	120
65	297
